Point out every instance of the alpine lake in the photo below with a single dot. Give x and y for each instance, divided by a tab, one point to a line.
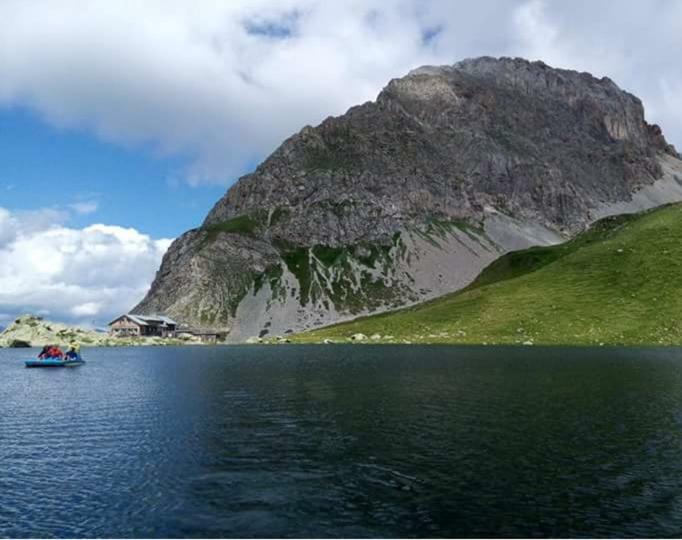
343	441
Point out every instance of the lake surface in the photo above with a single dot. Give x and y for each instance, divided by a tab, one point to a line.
343	441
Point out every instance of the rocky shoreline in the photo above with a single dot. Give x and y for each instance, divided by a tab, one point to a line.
34	331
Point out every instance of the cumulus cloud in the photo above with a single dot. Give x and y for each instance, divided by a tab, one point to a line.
225	82
12	224
73	274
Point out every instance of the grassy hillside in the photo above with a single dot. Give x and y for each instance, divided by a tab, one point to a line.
618	283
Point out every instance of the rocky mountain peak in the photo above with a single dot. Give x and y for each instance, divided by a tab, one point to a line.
622	113
483	118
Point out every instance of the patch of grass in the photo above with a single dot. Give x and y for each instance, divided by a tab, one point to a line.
298	263
278	215
328	255
272	275
240	224
618	283
522	262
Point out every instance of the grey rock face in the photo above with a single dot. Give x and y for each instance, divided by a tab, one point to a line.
410	196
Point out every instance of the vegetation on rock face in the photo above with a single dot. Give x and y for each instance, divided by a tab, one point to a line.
272	276
342	276
245	224
617	283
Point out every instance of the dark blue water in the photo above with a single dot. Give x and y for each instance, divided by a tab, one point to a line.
343	441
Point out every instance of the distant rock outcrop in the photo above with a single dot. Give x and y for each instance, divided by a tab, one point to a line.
34	331
408	197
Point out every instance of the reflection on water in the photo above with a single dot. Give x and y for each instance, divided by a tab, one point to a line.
343	441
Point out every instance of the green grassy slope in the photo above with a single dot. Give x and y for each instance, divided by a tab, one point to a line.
618	283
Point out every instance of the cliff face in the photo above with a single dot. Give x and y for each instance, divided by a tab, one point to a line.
410	196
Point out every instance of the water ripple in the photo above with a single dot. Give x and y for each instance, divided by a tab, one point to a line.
343	442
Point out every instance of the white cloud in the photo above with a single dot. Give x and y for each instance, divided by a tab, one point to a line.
28	222
97	272
226	82
85	207
537	35
86	309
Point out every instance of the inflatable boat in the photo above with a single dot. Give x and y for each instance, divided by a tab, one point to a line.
54	362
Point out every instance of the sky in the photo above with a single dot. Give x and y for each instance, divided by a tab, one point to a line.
122	123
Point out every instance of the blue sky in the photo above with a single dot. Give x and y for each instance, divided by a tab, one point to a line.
123	123
43	166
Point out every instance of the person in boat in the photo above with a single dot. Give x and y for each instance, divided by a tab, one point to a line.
73	353
45	352
56	353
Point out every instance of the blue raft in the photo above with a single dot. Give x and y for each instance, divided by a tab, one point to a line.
54	362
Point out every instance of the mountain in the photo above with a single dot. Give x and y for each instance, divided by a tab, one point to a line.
409	197
617	283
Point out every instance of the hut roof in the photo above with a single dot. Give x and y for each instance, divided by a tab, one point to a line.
147	320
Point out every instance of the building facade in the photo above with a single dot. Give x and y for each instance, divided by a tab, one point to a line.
142	325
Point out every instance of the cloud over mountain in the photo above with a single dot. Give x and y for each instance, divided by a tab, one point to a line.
225	82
